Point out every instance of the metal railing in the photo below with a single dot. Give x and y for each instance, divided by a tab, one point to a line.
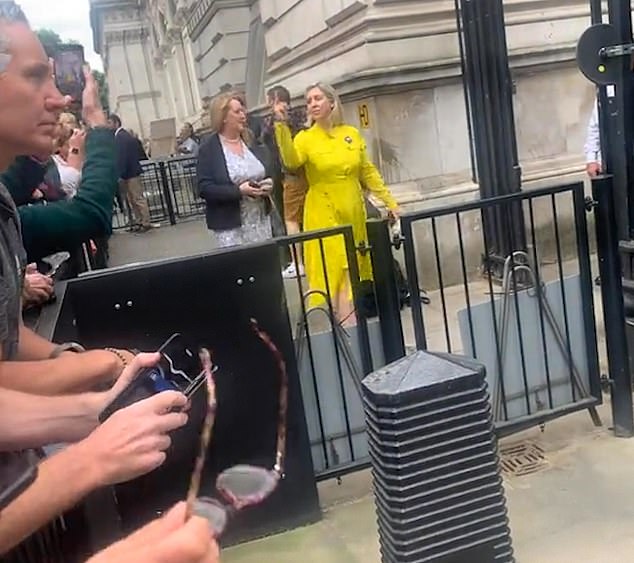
534	329
331	359
170	189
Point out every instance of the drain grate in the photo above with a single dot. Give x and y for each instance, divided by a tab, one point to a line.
522	459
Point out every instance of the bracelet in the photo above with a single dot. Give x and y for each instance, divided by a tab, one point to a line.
119	355
66	347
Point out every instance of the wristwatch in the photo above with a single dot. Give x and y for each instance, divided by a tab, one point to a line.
66	347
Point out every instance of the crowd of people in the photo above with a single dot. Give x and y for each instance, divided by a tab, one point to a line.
53	393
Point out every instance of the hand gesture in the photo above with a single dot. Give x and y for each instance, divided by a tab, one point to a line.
92	112
280	111
249	190
170	538
133	440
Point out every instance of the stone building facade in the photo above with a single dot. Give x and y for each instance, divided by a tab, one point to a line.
395	62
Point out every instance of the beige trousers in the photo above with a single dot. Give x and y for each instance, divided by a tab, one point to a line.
133	191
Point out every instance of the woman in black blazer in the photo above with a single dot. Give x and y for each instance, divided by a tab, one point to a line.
233	177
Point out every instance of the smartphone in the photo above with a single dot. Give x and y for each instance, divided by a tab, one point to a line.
69	70
17	471
179	369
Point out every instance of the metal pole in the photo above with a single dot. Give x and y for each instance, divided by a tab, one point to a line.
488	81
386	290
167	193
613	311
617	118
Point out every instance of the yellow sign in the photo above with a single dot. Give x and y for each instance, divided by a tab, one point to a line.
364	116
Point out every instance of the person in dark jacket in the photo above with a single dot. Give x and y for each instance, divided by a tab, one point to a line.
233	176
130	170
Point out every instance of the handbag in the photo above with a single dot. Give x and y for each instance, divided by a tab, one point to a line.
278	227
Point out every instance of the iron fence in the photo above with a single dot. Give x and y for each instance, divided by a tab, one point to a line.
333	354
170	189
533	327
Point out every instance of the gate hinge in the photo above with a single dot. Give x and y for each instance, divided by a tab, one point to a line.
397	240
590	203
364	248
606	383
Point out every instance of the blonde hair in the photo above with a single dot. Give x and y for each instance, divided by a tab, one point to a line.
336	116
64	133
219	109
68	119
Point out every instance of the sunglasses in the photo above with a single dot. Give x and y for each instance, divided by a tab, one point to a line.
240	486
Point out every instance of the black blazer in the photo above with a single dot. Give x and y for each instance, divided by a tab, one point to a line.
216	188
128	164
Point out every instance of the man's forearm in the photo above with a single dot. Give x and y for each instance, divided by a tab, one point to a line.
31	421
32	346
70	373
62	481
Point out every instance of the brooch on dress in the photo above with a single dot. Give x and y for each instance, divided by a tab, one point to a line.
348	140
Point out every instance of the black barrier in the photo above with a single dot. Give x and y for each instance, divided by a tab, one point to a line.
333	355
536	332
209	299
170	189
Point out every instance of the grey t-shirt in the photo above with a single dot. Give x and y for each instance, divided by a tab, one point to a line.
12	268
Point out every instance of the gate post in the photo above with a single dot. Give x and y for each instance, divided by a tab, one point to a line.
613	309
386	290
167	193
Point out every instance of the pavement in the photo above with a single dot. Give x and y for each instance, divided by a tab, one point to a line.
576	507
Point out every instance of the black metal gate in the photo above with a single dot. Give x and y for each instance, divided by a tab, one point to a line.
534	328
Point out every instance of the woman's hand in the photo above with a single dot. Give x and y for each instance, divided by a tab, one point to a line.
77	140
280	111
250	190
394	215
266	186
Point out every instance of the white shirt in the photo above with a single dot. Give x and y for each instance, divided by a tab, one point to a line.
592	147
70	177
190	146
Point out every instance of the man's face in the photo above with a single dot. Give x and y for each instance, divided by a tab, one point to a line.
112	124
29	100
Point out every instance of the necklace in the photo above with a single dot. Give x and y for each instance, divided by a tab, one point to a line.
234	141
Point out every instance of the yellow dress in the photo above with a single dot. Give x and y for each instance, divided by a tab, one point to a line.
337	170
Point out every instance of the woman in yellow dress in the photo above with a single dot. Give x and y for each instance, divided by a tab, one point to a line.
338	169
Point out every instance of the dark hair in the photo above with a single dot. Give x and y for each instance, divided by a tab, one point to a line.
115	119
279	93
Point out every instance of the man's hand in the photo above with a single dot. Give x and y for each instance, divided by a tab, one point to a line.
92	112
133	441
166	540
593	169
38	288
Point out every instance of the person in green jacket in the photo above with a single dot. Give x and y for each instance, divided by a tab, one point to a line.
66	224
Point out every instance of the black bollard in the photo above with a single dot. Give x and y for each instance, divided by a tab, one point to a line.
437	485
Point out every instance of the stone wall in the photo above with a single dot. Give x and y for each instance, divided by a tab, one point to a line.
396	64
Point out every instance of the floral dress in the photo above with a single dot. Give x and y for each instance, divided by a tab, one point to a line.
256	222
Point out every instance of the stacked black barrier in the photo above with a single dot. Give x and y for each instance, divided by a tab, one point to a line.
438	489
